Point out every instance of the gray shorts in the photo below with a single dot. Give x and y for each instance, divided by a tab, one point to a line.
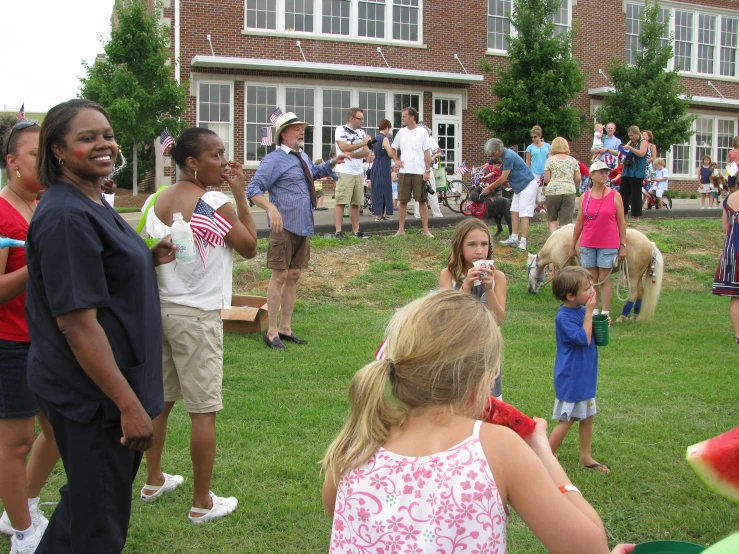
566	411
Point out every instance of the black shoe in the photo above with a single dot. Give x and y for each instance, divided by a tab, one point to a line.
361	234
274	343
292	338
340	235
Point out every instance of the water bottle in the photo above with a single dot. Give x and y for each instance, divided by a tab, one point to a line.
183	239
5	242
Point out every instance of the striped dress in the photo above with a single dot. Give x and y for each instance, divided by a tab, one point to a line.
726	280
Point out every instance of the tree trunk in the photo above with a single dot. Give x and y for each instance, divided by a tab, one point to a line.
135	167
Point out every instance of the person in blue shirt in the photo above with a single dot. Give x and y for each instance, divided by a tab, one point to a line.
537	152
576	364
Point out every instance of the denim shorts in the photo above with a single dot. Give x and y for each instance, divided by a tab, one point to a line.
16	399
597	257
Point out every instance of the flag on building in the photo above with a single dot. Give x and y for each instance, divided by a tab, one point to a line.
208	227
165	141
275	114
21	113
266	136
462	169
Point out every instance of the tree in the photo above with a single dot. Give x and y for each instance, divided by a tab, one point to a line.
540	81
646	94
134	81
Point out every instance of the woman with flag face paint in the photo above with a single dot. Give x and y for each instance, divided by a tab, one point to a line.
192	296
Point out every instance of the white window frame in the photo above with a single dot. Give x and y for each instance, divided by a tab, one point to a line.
693	160
197	83
283	84
720	14
498	52
353	35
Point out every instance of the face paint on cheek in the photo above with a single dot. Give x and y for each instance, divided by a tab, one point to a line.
78	154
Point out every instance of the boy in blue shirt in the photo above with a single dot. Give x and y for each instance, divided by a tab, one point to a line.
576	365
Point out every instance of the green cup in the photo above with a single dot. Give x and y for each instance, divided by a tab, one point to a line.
600	329
668	547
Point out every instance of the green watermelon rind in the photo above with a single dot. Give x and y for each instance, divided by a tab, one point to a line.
707	473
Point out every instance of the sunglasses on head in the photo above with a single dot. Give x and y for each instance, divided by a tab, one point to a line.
17	127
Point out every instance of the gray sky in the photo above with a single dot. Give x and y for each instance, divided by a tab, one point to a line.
43	44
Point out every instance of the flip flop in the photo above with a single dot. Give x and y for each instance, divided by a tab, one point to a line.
291	338
275	343
600	468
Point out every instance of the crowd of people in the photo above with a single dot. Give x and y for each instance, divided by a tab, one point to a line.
100	364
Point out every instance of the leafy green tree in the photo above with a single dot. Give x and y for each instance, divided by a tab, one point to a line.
134	81
647	94
540	81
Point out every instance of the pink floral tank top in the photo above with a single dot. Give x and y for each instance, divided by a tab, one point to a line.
443	503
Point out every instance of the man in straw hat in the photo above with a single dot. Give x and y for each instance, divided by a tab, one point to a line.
288	175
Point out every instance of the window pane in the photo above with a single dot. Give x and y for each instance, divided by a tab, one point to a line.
300	101
372	18
373	104
214	111
499	26
261	15
726	133
703	139
405	20
729	32
335	105
336	17
402	101
634	14
683	40
257	116
706	42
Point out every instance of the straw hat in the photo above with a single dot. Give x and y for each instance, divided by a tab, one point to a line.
284	121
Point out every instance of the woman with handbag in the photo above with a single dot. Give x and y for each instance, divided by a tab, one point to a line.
635	169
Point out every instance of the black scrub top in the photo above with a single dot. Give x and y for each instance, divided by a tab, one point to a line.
82	255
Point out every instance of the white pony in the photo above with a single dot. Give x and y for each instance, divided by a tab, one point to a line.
646	266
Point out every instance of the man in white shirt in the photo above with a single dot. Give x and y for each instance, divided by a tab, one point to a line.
415	167
352	140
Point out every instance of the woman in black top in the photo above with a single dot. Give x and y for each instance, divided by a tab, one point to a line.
95	329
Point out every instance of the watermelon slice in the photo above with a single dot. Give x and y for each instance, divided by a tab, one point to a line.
500	413
716	461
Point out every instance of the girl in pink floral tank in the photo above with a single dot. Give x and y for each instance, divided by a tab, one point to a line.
419	474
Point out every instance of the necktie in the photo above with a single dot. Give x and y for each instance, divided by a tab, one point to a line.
309	178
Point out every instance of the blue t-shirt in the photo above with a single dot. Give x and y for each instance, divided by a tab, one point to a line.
661	174
82	255
538	157
576	364
611	143
520	174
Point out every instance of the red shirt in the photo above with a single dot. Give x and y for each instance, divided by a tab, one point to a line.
13	313
584	171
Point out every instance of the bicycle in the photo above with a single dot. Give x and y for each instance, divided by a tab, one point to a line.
454	194
650	200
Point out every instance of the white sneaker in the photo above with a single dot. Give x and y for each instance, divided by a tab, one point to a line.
221	508
37	518
171	482
29	544
522	246
510	241
5	526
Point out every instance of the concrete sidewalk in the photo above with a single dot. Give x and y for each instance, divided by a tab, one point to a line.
324	220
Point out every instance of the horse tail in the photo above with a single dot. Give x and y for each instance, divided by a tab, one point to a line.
653	284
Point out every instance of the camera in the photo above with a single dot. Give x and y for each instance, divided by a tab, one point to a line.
371	143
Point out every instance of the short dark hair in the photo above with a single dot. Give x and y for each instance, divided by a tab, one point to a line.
189	145
384	124
412	111
568	280
10	141
353	112
56	125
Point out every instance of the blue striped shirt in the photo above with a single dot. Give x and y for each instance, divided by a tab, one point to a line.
283	175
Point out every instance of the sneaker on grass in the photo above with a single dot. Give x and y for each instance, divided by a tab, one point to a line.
510	241
340	235
221	508
361	234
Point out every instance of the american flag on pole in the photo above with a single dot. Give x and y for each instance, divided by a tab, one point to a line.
21	113
462	169
274	115
266	136
165	141
209	228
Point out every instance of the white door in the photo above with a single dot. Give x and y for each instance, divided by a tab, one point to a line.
447	130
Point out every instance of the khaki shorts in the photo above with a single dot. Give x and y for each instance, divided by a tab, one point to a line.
288	251
350	189
409	183
192	357
560	208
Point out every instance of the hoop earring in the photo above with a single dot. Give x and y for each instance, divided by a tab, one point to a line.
196	174
18	173
61	161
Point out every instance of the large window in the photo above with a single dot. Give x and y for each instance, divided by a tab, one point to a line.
634	14
401	102
301	101
499	24
713	136
683	40
335	105
378	20
729	32
214	111
261	101
706	41
373	104
562	18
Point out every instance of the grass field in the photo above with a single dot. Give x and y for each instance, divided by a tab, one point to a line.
664	384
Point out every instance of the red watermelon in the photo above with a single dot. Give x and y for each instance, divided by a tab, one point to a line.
500	413
716	461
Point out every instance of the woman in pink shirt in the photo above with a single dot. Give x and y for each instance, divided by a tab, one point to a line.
601	229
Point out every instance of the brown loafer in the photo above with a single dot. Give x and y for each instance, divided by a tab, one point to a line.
291	338
275	343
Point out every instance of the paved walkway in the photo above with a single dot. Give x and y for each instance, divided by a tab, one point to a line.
682	208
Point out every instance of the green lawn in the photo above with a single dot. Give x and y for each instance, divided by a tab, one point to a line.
663	385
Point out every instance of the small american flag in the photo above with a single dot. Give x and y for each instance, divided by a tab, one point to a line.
209	228
165	141
274	115
462	169
21	113
266	136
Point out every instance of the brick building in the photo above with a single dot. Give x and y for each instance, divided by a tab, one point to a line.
244	58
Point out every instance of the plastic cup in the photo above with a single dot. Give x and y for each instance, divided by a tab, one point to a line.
668	547
600	329
485	264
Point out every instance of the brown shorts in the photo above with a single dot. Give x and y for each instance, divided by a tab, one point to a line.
560	208
288	251
409	183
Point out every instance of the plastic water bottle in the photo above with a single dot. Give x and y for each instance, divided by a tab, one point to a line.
5	242
183	239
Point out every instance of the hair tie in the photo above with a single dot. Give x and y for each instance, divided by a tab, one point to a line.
392	368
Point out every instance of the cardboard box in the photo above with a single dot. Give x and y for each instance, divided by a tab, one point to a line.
248	314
